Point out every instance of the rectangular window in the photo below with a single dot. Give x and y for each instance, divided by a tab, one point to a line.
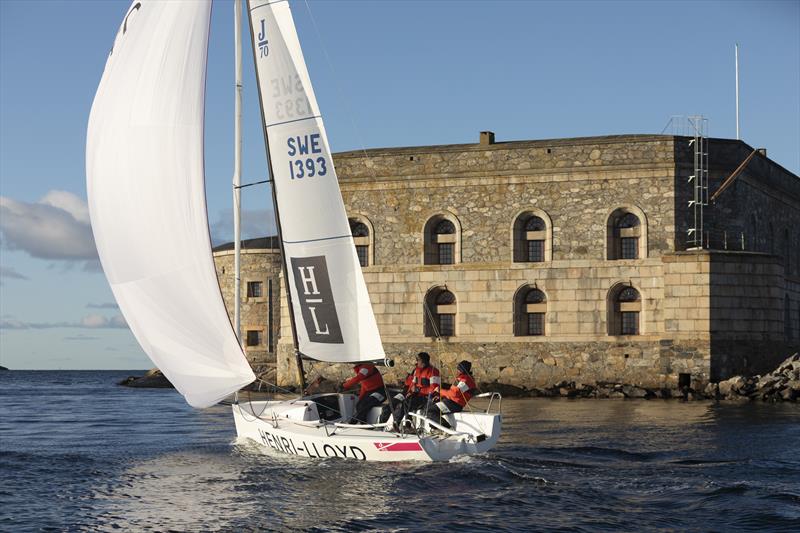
254	289
447	325
363	254
254	337
535	323
630	247
446	253
630	323
535	251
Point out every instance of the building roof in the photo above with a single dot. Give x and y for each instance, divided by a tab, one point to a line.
261	243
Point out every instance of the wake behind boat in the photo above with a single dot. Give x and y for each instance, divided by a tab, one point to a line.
145	182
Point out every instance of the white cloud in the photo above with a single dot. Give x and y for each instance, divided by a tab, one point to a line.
104	305
55	227
93	321
8	272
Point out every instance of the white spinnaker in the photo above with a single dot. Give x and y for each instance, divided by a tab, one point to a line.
332	310
144	173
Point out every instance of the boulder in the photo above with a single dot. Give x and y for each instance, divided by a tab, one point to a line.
631	391
153	379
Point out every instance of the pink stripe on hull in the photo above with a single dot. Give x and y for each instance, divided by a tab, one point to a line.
398	446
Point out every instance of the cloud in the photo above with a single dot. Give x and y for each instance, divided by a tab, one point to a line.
81	337
10	273
55	227
255	223
104	305
88	322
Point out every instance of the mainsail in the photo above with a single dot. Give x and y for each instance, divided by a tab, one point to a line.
330	304
145	181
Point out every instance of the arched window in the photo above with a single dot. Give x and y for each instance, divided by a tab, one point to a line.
440	313
441	241
362	237
626	235
532	237
625	305
530	307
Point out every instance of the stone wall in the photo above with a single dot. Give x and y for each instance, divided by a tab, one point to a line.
256	265
702	314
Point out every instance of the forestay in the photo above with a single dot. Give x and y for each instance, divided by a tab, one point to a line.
144	169
331	306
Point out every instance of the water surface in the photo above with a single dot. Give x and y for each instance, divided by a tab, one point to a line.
78	452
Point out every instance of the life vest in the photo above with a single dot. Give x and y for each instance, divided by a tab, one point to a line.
426	379
461	390
369	377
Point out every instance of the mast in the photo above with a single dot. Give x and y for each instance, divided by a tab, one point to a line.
737	92
237	171
298	357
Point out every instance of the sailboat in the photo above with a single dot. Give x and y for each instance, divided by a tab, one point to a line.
146	189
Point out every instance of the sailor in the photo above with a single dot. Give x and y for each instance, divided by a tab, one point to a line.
371	393
456	396
421	387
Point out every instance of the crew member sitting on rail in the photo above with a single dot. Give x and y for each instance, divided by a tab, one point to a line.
372	391
455	397
422	386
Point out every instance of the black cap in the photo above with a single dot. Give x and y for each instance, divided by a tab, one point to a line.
425	356
465	366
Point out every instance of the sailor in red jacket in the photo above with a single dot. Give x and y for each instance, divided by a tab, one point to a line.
455	398
372	392
422	385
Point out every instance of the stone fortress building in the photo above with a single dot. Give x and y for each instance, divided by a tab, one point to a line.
576	259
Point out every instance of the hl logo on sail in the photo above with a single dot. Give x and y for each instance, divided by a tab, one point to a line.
262	40
316	299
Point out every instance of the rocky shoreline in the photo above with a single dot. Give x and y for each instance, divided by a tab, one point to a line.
780	385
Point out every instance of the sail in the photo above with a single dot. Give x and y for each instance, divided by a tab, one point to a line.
330	303
145	182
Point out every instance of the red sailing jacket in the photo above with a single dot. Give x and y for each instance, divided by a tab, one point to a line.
369	377
461	390
426	379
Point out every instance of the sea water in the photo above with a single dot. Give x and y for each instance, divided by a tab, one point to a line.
78	452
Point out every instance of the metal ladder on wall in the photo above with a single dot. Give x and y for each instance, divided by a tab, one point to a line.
697	127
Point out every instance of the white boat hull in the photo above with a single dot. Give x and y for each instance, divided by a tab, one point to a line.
294	427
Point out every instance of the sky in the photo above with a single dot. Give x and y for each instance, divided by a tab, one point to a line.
390	73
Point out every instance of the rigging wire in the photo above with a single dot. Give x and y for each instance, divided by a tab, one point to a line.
339	93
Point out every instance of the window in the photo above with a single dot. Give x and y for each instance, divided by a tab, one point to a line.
535	251
362	238
254	289
625	308
446	253
441	241
530	306
440	313
531	238
254	337
363	254
630	246
625	235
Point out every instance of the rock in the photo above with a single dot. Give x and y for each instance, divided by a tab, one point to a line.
631	391
712	390
503	388
2	368
153	379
